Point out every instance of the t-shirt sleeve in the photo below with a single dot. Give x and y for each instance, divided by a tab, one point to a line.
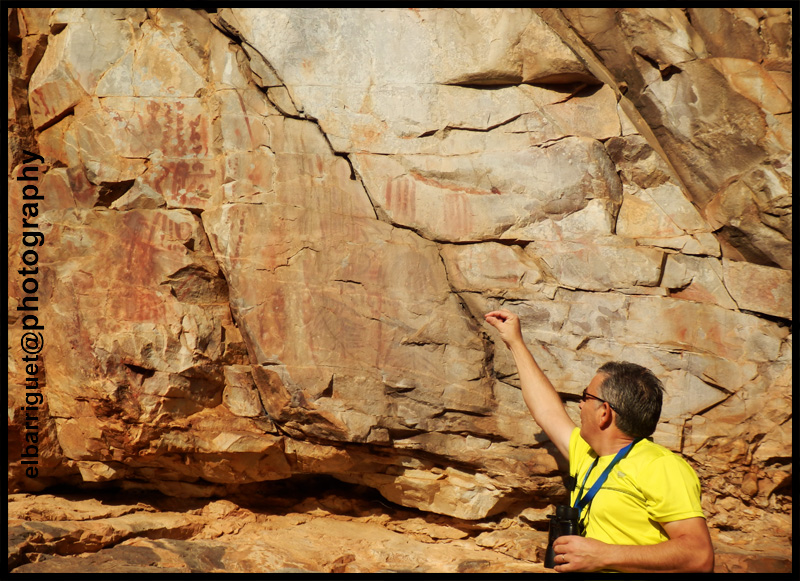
578	453
671	489
578	448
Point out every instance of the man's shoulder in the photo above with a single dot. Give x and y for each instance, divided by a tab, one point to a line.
654	449
649	453
650	448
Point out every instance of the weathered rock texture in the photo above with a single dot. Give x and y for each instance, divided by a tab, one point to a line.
344	532
271	234
311	526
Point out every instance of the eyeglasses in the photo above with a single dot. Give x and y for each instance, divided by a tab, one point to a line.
585	396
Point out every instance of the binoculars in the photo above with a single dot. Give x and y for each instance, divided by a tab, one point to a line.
564	522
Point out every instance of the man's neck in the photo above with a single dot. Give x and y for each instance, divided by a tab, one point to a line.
611	443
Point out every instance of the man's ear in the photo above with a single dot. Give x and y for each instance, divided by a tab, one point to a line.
606	417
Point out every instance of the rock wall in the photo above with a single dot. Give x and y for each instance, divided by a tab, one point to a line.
266	239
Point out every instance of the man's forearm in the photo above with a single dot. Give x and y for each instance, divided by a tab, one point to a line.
672	556
541	398
539	394
689	551
537	391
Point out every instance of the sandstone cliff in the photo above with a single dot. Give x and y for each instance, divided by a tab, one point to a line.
269	236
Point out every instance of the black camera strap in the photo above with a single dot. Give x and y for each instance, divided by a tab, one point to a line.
583	500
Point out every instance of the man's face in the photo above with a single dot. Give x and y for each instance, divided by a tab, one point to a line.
590	406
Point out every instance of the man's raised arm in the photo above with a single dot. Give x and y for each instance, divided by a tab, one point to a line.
539	394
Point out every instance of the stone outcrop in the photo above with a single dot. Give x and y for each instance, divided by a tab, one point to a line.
290	530
269	237
55	533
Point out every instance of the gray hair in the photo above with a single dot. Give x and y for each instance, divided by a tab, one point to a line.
636	394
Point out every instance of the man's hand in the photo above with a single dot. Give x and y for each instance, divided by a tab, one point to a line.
507	323
575	553
538	393
688	550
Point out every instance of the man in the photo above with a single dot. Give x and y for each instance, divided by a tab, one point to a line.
646	515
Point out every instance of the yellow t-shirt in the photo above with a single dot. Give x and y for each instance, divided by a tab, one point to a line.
651	485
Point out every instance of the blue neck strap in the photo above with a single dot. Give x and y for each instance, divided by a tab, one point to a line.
582	501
